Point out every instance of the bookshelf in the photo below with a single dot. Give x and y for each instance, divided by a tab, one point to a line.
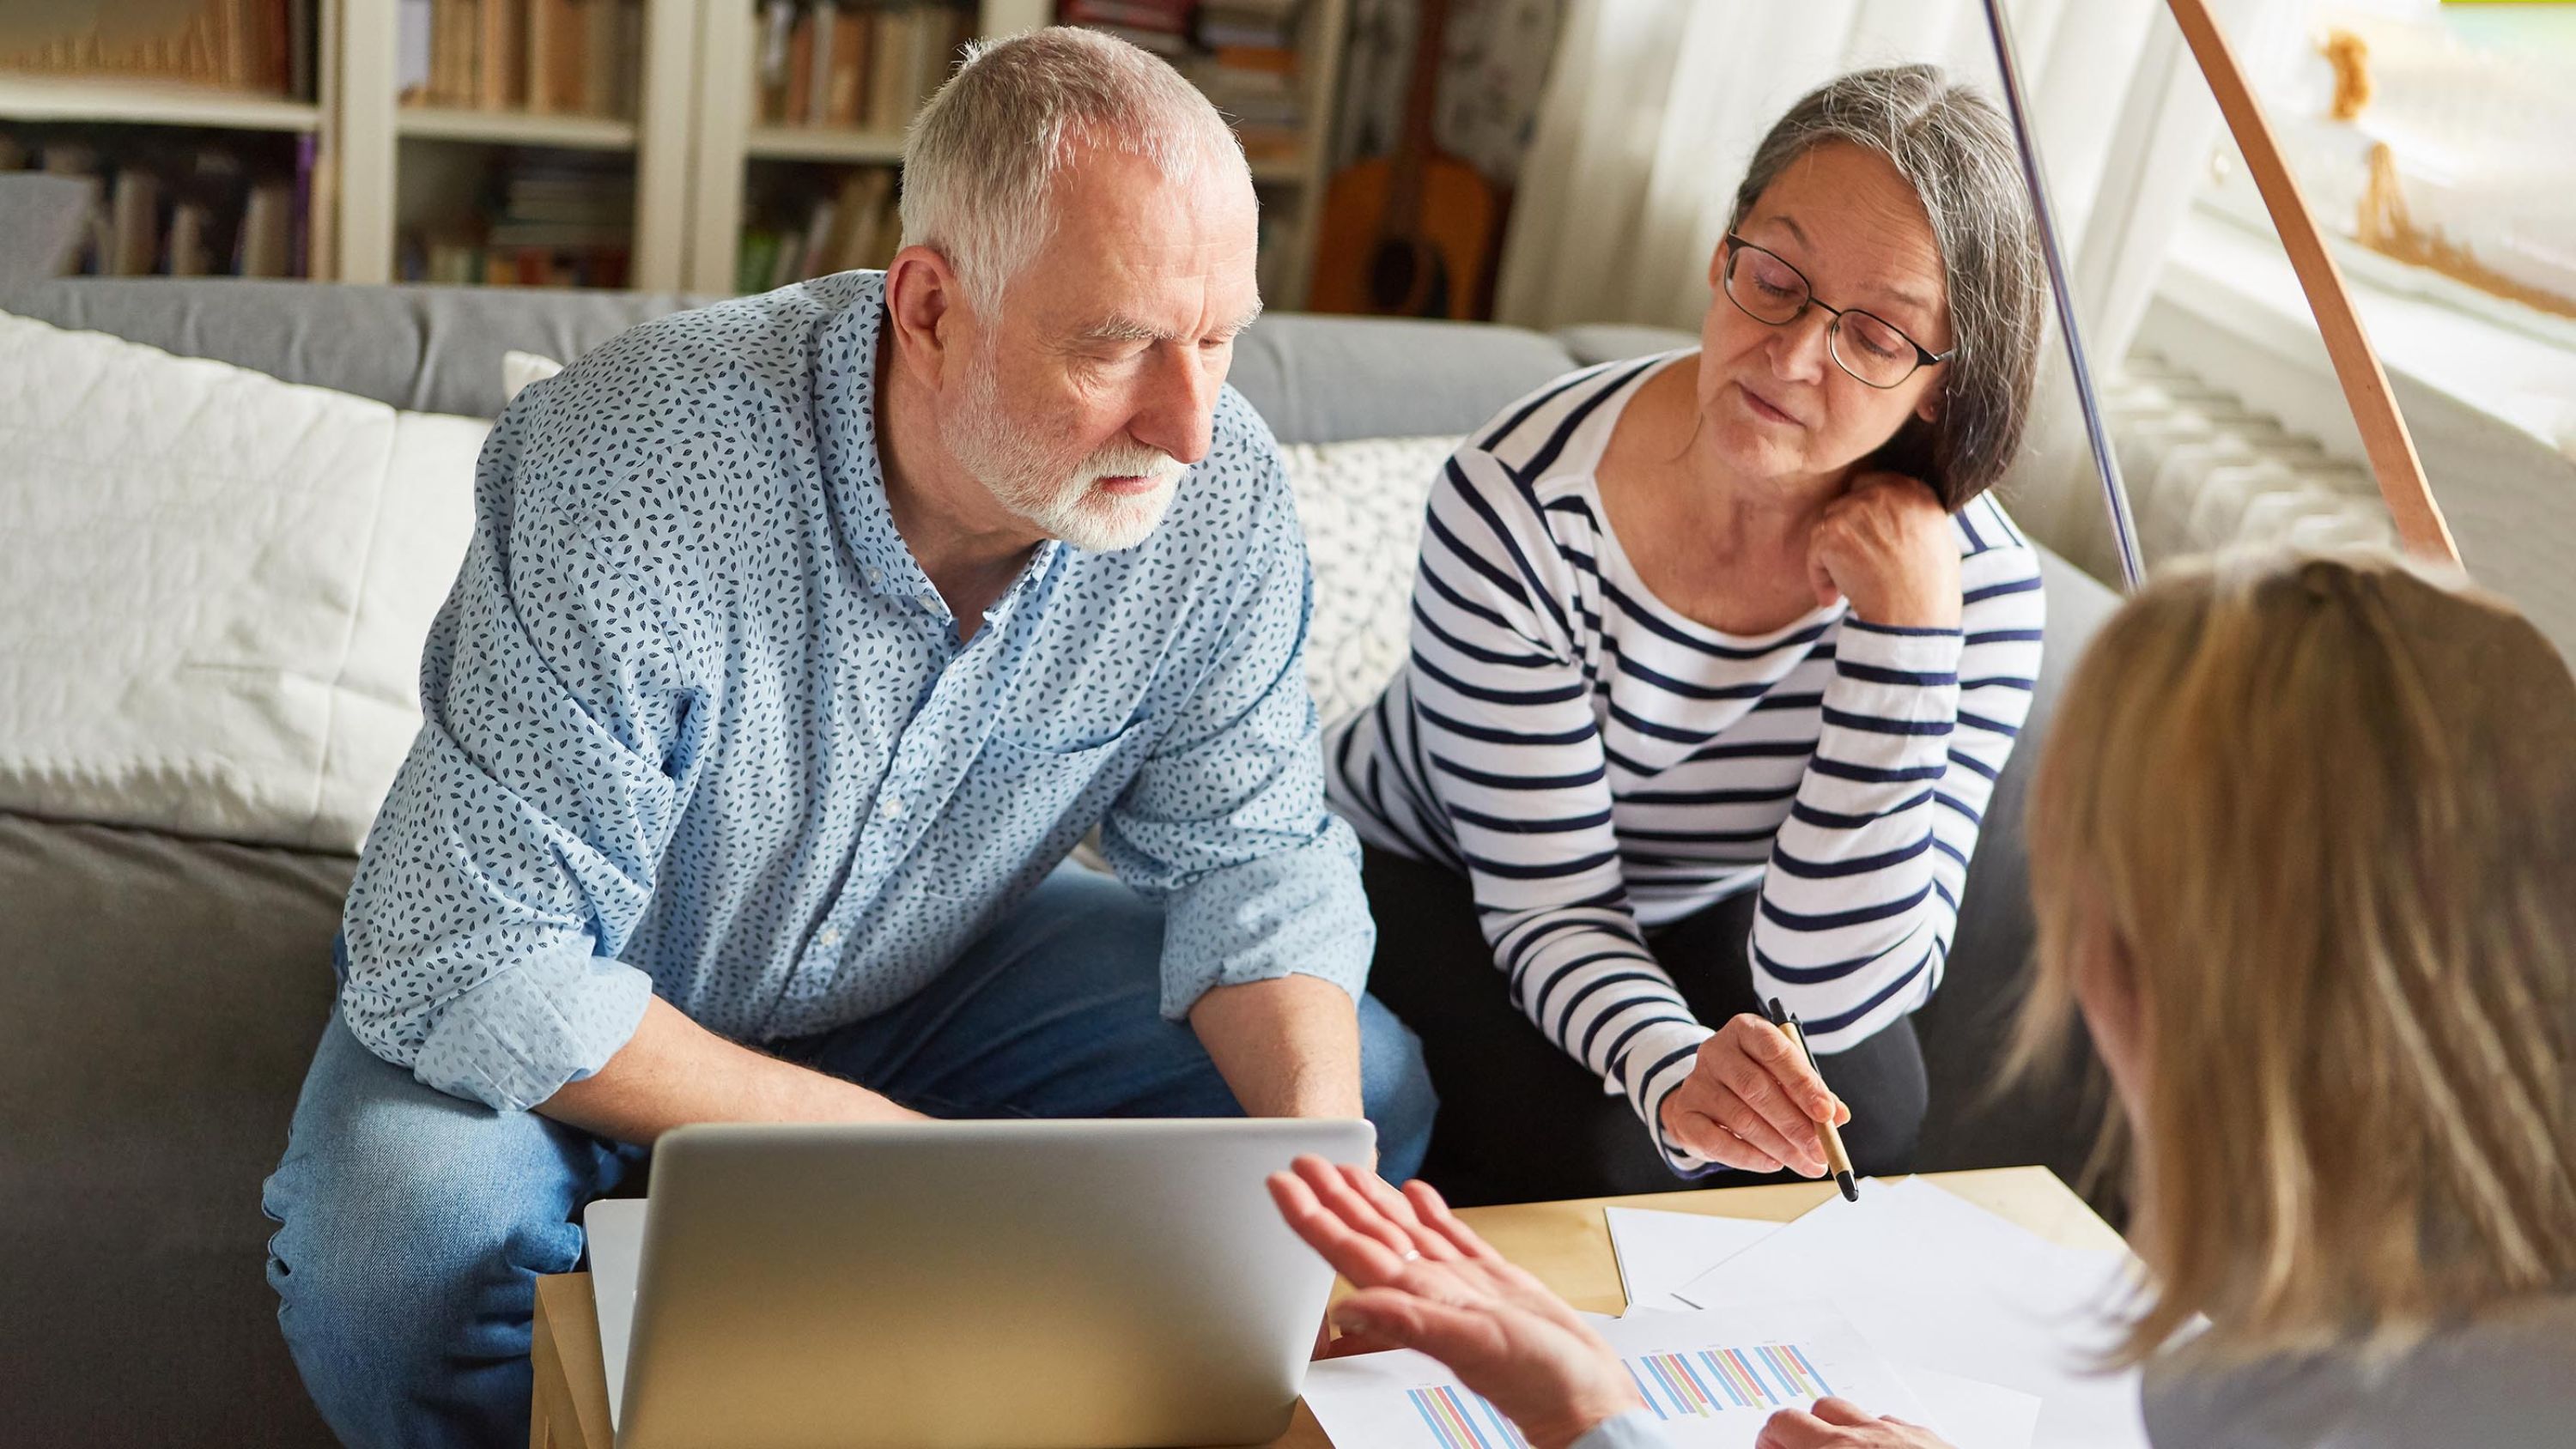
690	156
750	166
213	147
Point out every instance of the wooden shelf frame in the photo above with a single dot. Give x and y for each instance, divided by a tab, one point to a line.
693	139
150	103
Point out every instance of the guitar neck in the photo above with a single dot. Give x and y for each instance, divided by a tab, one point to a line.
1421	105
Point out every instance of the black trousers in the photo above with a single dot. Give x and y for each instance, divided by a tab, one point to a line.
1520	1121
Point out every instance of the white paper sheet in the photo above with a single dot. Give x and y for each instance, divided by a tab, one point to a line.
1713	1377
1933	1280
1658	1252
615	1229
1971	1413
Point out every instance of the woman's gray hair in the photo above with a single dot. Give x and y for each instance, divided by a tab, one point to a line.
1957	152
980	164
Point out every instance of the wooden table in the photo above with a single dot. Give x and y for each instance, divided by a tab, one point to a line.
1567	1244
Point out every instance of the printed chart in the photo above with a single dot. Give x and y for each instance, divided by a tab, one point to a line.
1709	1381
1713	1379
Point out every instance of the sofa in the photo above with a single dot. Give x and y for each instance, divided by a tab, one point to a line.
164	991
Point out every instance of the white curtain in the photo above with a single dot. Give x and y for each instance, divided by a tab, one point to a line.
1654	107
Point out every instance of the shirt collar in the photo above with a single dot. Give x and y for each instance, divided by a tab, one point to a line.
845	406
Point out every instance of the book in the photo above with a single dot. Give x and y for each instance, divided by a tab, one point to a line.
769	62
602	56
414	25
818	86
889	102
134	242
267	243
797	89
189	225
504	29
847	91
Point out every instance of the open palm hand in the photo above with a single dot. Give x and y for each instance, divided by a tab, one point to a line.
1427	1282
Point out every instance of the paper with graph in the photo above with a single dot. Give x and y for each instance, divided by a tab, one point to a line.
1712	1378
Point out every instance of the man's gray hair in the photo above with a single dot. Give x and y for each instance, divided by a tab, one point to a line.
1957	152
980	165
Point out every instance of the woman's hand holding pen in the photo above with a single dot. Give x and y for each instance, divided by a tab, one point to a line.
1752	1101
1427	1282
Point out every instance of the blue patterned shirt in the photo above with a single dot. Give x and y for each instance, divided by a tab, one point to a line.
697	724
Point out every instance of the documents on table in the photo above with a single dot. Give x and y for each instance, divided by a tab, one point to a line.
1933	1281
1713	1378
1658	1252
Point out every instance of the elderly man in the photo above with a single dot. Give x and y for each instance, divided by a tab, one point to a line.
800	639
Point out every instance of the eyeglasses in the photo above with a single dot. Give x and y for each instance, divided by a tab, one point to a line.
1767	289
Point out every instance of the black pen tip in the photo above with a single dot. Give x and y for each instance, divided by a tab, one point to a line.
1851	1189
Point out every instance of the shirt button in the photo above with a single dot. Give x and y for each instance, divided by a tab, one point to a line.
929	603
891	807
828	937
876	576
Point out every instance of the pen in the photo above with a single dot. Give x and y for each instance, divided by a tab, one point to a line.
1835	1158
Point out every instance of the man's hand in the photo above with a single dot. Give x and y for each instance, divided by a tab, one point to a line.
1752	1101
1841	1424
1886	546
1427	1282
674	1071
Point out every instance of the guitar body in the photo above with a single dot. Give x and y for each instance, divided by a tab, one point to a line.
1366	262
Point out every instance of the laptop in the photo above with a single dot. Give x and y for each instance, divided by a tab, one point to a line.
961	1285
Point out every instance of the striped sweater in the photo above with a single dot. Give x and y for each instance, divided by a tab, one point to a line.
1597	764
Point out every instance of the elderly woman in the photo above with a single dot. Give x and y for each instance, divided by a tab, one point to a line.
1723	644
2301	847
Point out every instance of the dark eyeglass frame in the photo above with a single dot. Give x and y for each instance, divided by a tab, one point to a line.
1923	356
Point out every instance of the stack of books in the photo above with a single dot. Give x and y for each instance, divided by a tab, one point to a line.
1161	26
178	203
1255	85
260	47
552	220
1242	53
853	67
549	57
854	226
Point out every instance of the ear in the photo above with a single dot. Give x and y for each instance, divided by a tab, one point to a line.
1929	407
922	310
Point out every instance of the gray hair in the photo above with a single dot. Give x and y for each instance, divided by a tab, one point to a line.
980	164
1957	152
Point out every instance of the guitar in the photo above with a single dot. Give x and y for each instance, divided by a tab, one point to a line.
1408	234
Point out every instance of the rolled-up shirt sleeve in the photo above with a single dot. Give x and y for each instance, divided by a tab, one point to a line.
516	850
1225	824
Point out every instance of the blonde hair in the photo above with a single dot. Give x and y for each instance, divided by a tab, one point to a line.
2321	812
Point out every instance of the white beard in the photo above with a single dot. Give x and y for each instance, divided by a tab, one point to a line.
1016	466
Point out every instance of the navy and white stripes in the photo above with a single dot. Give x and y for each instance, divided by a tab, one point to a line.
1597	764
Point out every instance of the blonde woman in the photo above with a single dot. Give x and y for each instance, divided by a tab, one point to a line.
2304	853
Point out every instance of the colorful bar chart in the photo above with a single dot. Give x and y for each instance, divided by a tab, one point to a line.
1676	1385
1461	1420
1717	1380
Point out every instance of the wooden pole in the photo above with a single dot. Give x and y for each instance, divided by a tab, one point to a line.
2420	526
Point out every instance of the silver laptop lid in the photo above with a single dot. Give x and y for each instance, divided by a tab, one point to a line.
974	1285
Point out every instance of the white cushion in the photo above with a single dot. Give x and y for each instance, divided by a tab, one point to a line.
215	587
1361	503
518	369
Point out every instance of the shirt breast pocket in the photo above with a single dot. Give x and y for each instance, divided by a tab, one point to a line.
1056	773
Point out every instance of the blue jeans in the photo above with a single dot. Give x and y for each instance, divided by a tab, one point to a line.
413	1225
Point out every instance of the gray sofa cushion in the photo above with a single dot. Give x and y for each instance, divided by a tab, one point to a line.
1328	379
438	349
429	349
164	998
42	220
